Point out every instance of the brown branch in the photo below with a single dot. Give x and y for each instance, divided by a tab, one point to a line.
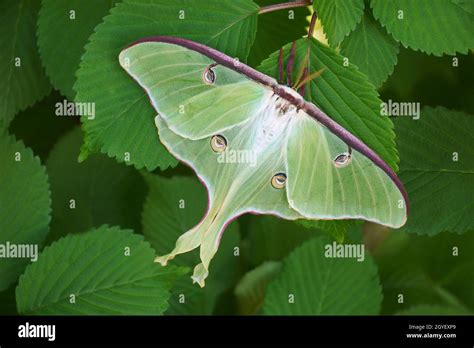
285	5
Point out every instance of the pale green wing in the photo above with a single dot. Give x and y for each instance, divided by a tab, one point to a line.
238	180
195	97
320	188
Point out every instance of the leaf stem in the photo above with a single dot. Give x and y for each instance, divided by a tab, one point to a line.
284	5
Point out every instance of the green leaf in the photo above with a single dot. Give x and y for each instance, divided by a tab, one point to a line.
437	168
23	80
467	5
344	94
8	302
271	238
371	49
338	17
62	35
334	228
433	310
319	285
173	206
97	269
354	233
39	127
104	192
427	271
276	29
25	206
433	26
124	114
432	80
250	290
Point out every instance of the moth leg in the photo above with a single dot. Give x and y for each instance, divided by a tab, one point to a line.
290	63
280	67
301	90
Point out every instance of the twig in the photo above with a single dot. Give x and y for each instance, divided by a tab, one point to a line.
285	5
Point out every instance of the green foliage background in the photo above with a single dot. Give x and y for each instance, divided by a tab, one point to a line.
97	250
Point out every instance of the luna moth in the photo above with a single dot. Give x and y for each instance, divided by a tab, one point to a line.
307	166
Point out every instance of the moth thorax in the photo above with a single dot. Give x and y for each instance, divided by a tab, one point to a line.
282	106
270	126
